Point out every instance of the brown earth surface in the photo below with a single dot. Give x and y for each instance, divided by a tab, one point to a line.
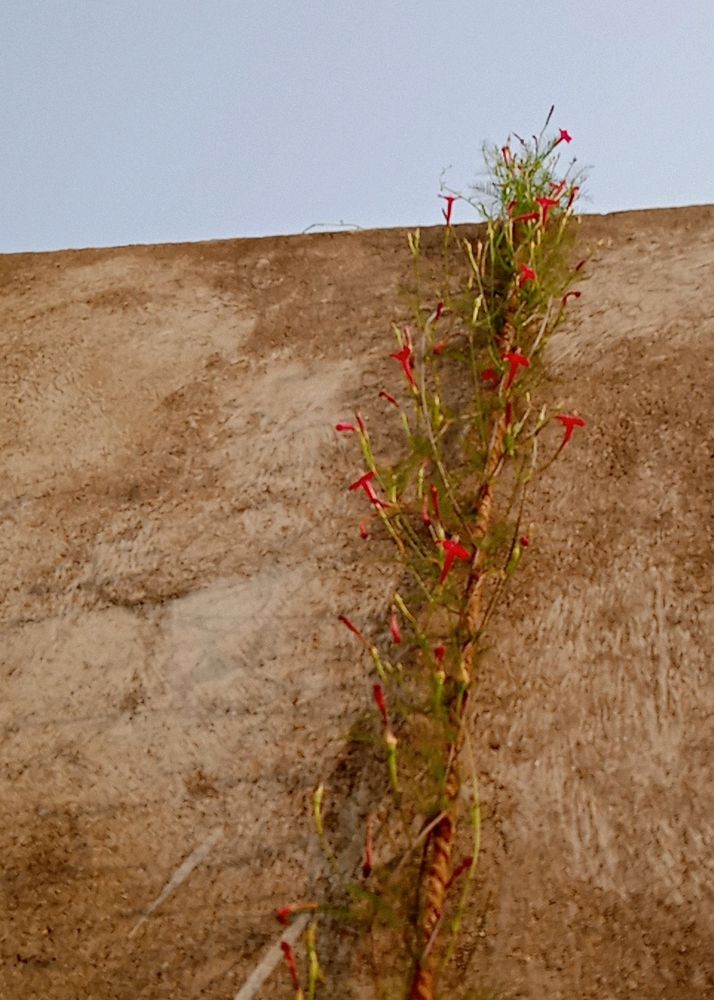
178	541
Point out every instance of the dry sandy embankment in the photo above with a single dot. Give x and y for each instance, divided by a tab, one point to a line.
177	542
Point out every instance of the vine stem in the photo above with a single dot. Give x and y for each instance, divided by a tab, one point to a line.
440	842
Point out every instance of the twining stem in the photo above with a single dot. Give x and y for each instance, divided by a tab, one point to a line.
439	845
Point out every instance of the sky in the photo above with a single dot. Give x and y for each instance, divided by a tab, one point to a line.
157	121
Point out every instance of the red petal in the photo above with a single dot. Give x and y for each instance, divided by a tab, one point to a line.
362	482
380	701
291	963
353	628
394	628
388	397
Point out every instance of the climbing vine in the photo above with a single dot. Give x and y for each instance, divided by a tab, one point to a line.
475	441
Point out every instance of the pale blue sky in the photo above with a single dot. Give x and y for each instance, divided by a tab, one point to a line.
152	121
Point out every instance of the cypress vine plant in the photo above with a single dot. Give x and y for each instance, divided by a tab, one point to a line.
475	440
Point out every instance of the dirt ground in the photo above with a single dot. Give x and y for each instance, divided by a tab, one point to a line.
178	541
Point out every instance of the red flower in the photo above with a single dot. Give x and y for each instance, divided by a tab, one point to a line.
291	963
546	204
527	274
346	427
394	628
569	295
388	397
439	653
283	915
506	154
569	423
365	483
380	702
581	264
353	628
511	205
404	357
558	188
360	422
446	212
490	376
564	136
454	550
524	541
515	361
363	533
438	312
528	217
573	195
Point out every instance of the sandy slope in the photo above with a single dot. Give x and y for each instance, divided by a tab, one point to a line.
177	542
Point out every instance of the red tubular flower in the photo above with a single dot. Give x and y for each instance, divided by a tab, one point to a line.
573	195
491	377
569	423
528	217
446	212
388	397
564	136
380	702
571	295
545	205
581	264
558	188
283	915
349	428
439	653
438	312
365	483
506	154
515	361
291	964
353	628
363	533
511	205
394	628
453	550
527	274
404	357
360	422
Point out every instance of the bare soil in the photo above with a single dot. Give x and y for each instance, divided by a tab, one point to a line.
177	543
